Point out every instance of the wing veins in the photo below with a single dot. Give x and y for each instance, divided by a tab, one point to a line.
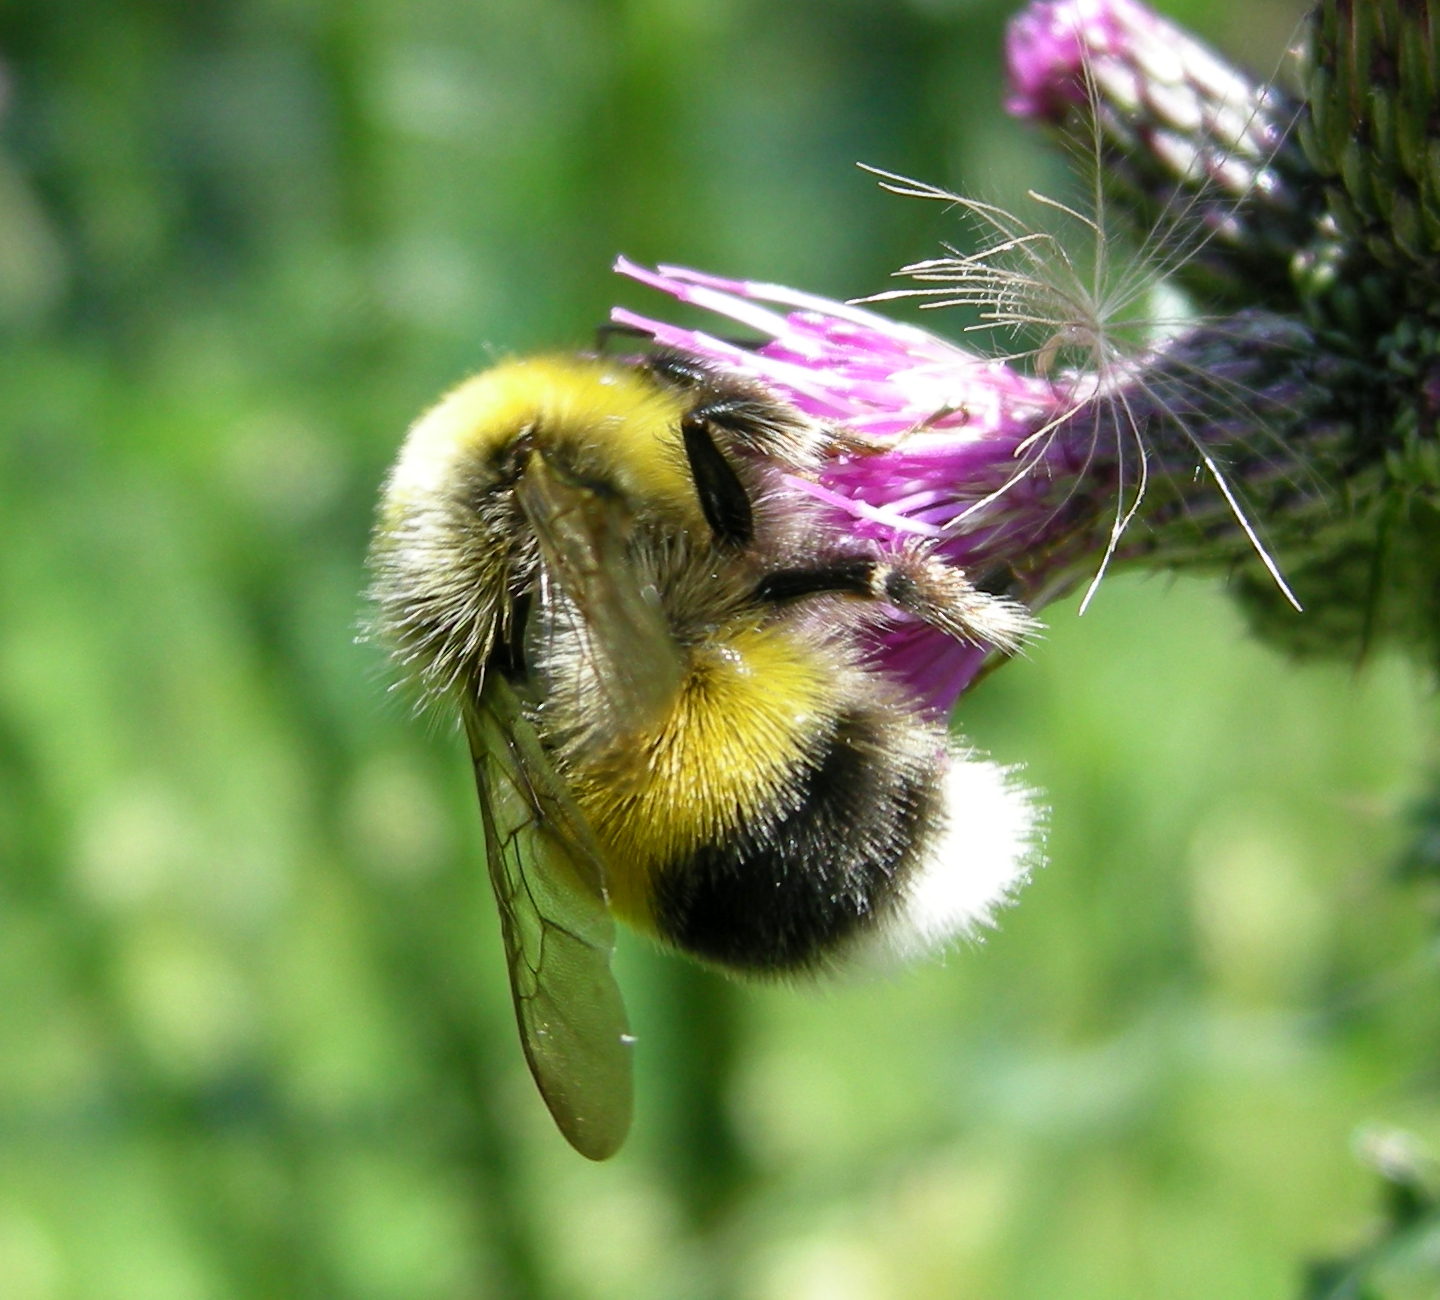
558	938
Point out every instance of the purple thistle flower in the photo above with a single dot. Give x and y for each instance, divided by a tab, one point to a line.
1018	480
1286	440
973	470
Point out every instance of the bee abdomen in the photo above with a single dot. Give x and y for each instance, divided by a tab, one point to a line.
787	894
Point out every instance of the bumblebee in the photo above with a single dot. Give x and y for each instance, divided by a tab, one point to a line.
658	648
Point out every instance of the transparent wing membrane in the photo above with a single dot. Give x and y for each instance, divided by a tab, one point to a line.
549	881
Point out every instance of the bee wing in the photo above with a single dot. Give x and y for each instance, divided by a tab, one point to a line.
582	530
549	880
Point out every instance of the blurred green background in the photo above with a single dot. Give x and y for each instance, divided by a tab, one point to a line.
255	1037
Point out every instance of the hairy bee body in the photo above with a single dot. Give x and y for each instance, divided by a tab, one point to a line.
618	546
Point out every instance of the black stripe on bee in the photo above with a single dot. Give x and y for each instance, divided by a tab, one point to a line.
785	895
850	577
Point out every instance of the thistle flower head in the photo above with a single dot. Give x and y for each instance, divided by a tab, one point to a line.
957	427
1171	135
1101	430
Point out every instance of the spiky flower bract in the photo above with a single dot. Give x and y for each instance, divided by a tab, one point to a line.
1311	230
1166	135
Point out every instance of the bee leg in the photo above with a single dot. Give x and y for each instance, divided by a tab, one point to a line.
583	530
762	427
921	583
682	370
750	417
723	498
918	583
